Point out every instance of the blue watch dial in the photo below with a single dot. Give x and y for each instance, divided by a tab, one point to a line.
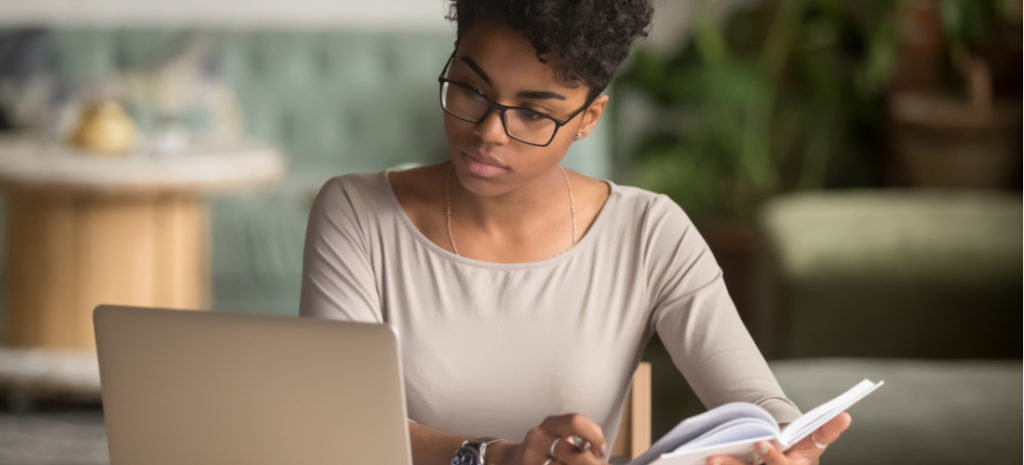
468	454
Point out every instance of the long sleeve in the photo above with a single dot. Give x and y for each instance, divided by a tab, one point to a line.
697	320
337	272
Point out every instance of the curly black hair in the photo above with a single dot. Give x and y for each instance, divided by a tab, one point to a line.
589	39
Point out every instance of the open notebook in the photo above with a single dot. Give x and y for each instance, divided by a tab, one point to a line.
734	428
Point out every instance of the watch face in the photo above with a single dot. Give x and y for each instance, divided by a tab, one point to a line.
466	456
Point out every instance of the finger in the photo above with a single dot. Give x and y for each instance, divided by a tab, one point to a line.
577	424
566	452
540	446
537	444
769	453
830	431
582	444
813	445
723	460
550	461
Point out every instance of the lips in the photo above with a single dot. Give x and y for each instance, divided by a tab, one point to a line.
479	158
482	165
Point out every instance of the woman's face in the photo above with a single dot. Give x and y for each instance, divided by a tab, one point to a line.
502	64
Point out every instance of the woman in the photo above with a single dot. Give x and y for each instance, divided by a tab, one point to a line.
521	290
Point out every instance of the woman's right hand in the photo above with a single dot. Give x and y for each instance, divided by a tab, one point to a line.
536	446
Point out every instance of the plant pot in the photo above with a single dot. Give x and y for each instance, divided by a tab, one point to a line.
943	142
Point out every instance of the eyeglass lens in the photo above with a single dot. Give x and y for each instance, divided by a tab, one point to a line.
466	104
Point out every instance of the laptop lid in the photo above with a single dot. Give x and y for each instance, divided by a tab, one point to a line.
194	387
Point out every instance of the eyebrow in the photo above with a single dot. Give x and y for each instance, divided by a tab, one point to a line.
539	94
531	94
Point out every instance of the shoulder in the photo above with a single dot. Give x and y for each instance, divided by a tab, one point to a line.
350	205
665	234
424	184
420	193
380	199
648	209
674	257
349	185
353	193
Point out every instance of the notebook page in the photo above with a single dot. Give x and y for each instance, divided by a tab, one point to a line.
731	431
814	419
693	427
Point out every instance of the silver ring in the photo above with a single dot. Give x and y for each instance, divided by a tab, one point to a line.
547	462
551	451
816	443
582	444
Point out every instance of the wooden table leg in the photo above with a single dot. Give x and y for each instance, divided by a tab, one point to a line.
67	253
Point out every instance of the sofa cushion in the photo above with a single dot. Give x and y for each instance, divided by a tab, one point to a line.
891	273
934	412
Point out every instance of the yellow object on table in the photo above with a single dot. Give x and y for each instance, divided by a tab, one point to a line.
105	129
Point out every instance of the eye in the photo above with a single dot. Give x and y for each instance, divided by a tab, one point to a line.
468	90
530	116
473	90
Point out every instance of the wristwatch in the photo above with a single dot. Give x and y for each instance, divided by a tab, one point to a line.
472	452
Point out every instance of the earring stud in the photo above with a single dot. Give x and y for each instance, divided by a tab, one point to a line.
579	135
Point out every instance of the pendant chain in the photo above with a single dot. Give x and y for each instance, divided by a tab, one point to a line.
448	206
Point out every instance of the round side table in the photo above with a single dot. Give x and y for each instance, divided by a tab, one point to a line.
83	230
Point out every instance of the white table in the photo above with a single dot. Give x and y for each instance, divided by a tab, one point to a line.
82	230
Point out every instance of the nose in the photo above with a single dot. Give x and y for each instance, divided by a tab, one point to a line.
491	128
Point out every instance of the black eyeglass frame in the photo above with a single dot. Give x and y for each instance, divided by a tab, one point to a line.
441	80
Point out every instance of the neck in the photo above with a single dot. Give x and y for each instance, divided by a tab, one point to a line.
543	198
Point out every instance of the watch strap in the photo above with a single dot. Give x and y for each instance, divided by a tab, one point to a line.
484	442
473	452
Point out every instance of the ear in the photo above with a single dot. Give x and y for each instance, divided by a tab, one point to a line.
592	115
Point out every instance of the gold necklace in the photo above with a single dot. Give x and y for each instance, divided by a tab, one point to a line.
448	206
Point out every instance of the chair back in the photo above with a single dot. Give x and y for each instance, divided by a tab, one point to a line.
635	431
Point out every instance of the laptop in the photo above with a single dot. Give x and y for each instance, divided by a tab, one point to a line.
195	387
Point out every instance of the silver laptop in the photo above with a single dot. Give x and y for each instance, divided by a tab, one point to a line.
184	387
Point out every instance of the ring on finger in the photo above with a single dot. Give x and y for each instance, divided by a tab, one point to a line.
581	444
551	451
548	461
816	443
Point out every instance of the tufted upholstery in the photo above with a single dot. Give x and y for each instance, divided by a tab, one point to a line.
335	101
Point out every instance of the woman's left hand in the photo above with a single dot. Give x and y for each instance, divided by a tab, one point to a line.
805	452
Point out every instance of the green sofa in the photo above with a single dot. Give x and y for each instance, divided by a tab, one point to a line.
919	288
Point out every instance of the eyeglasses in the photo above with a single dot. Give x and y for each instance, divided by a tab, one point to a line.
470	104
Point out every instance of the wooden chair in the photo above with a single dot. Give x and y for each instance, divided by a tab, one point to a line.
635	431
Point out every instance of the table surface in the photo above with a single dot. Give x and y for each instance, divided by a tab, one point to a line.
27	162
59	434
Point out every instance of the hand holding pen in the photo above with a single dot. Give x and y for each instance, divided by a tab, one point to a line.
569	439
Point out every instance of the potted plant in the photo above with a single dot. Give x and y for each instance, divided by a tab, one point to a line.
775	96
772	97
955	104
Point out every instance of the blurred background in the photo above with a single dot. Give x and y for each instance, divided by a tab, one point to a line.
855	167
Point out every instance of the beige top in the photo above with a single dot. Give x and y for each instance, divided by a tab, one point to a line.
491	349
